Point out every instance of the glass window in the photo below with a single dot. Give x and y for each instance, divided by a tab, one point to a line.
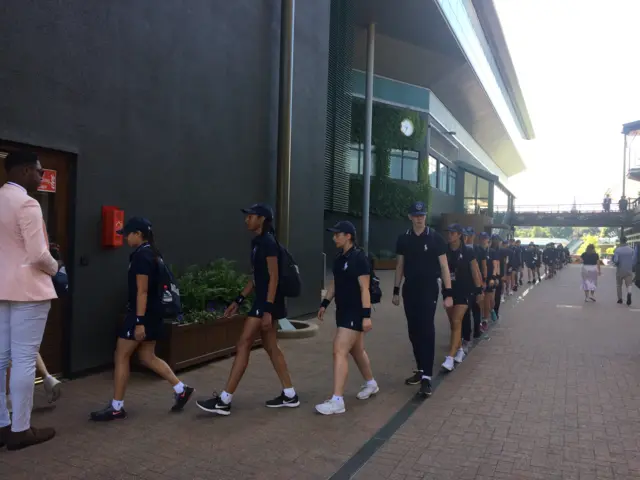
410	161
395	164
470	205
483	188
442	179
353	166
470	189
433	172
452	182
483	205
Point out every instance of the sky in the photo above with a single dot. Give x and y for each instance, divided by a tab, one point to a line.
579	72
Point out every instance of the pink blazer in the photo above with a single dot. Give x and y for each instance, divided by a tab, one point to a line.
26	266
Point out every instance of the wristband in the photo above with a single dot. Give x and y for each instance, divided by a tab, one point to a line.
447	292
366	313
268	307
325	303
239	299
478	290
396	291
139	320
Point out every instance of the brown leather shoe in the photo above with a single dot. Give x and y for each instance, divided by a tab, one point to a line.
33	436
4	433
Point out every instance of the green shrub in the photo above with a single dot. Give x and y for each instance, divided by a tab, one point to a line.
205	291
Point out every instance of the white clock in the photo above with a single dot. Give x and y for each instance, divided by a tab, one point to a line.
406	127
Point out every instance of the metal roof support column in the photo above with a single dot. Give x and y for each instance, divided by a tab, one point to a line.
366	171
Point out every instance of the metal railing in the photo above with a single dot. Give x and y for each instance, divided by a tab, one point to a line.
568	208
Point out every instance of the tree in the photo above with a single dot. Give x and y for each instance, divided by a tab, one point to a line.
523	232
586	241
561	232
540	232
609	232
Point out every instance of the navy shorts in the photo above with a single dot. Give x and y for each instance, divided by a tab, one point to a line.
153	327
349	320
278	311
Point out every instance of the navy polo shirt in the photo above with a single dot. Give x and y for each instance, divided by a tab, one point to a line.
492	255
143	262
262	246
347	267
421	256
460	268
503	255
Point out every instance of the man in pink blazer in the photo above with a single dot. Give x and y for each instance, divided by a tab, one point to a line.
26	291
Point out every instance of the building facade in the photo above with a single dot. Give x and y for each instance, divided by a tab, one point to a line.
169	109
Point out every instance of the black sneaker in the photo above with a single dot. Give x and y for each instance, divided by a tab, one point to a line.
283	401
628	299
214	405
414	379
108	414
181	399
620	301
425	387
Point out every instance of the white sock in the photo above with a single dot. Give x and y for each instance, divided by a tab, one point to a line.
372	383
338	399
226	397
426	377
289	392
117	404
178	388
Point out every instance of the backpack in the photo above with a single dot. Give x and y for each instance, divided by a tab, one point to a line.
61	282
375	291
170	304
289	281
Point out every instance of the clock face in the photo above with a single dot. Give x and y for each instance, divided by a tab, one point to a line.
406	127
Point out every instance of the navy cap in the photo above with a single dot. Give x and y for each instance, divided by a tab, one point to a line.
495	236
343	227
469	231
418	208
455	227
259	209
483	235
135	224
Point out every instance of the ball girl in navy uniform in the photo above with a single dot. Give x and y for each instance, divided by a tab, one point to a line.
143	322
350	288
465	280
268	307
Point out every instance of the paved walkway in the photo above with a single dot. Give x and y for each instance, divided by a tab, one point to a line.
555	394
513	409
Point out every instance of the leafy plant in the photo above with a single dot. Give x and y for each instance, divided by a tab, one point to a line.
205	291
389	198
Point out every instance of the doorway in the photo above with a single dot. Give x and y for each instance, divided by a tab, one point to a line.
54	197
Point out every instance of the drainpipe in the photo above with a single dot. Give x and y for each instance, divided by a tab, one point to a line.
366	171
287	26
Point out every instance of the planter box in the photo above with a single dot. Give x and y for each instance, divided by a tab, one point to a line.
193	344
384	264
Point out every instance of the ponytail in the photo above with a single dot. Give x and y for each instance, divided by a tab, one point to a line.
148	236
267	227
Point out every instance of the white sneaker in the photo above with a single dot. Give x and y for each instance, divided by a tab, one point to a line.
448	364
367	390
52	388
331	407
460	356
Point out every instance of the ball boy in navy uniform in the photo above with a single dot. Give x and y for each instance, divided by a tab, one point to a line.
421	260
143	322
474	307
350	288
268	307
465	281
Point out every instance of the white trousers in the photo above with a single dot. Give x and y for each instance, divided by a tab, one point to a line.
21	329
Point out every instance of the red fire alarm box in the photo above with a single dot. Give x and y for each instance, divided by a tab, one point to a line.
112	221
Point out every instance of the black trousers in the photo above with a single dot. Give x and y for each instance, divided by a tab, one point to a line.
498	297
420	304
474	309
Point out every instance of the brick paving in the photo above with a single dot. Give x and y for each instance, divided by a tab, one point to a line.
252	443
553	394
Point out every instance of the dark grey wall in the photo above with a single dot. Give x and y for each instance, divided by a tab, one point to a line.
171	106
